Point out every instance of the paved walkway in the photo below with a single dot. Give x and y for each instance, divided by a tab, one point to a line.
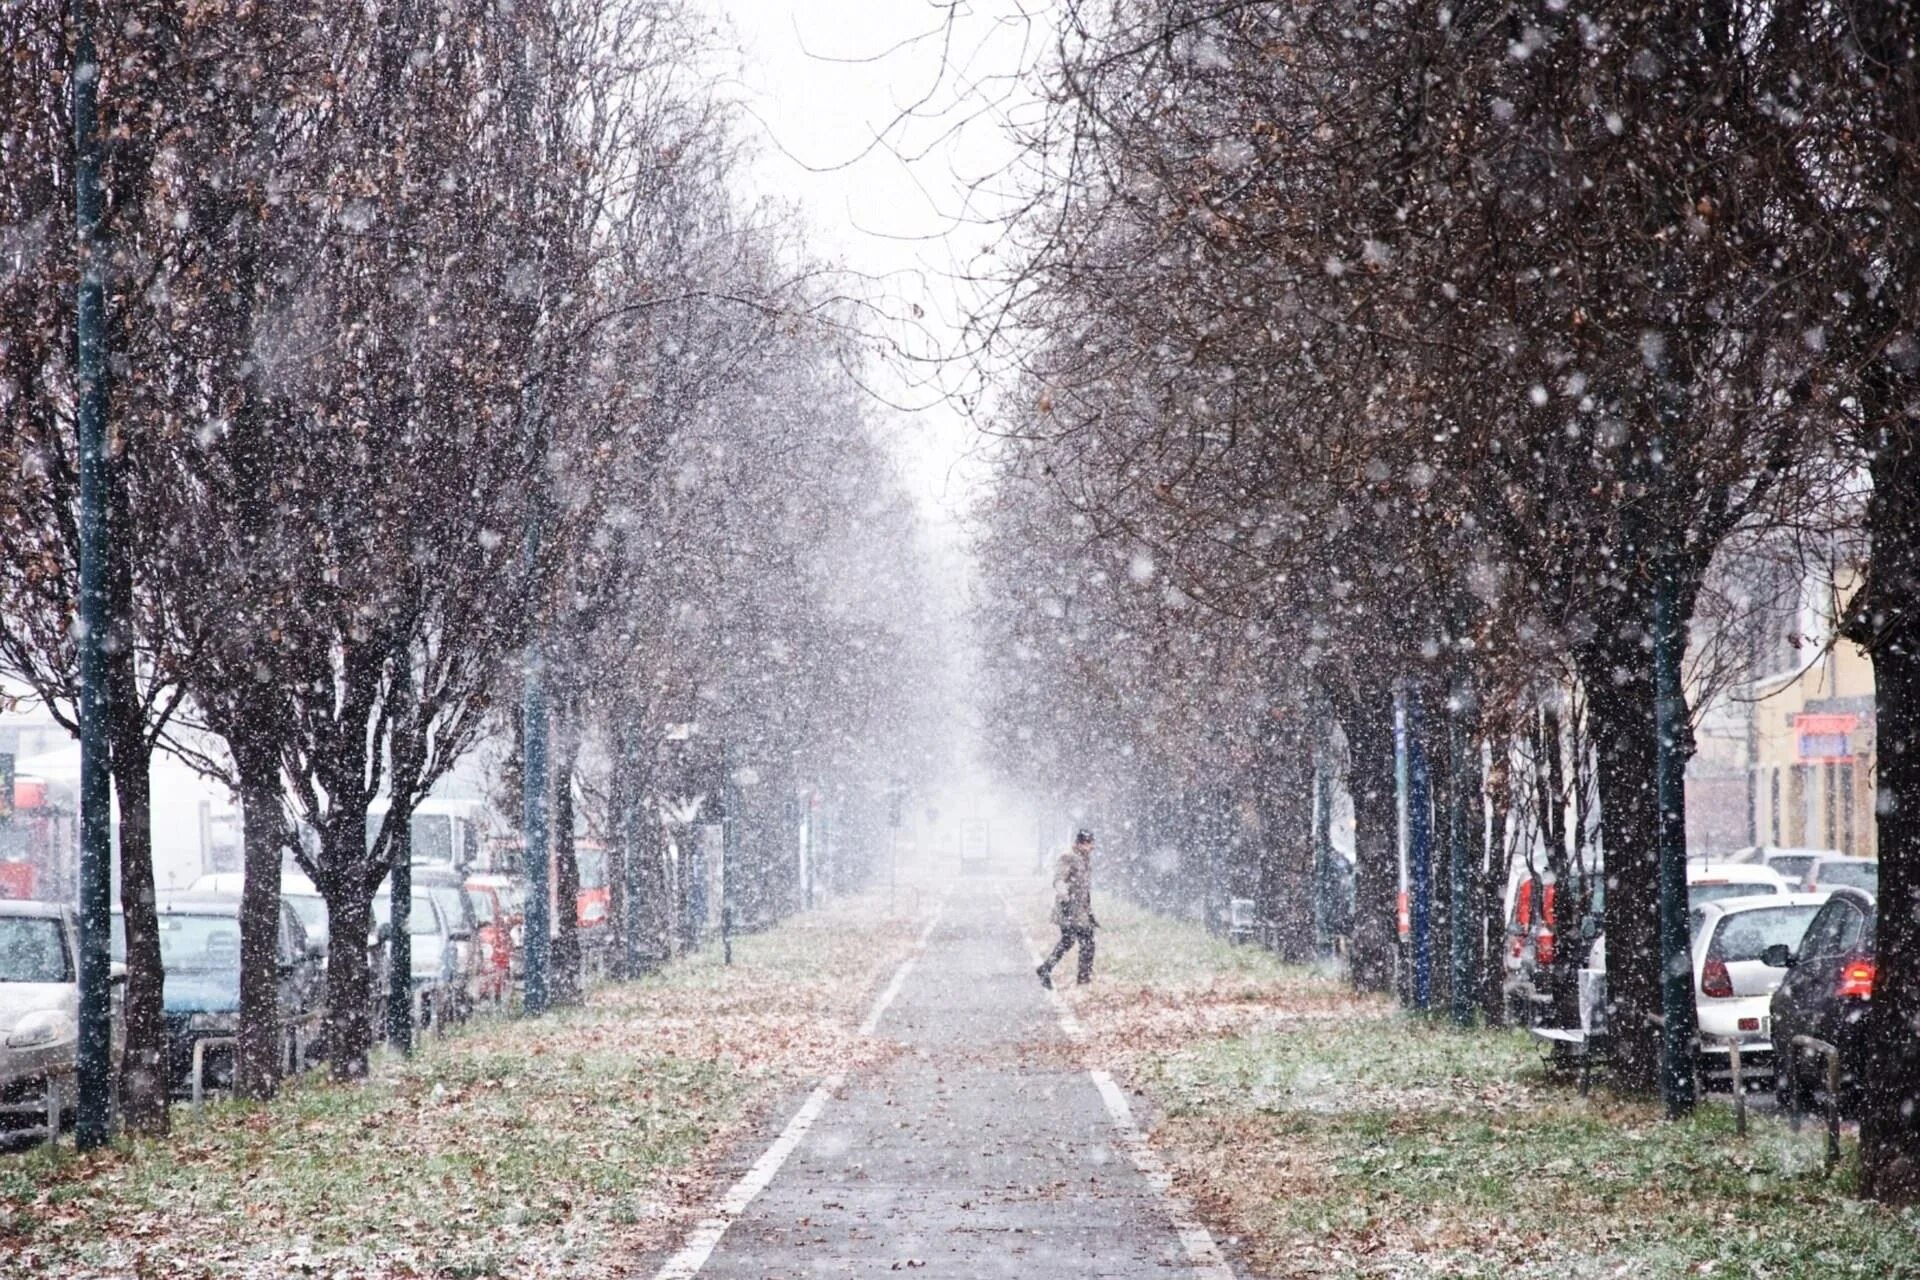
980	1150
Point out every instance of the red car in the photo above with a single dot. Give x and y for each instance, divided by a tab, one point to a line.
493	937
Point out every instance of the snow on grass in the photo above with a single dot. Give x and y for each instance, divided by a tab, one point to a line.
1361	1143
563	1146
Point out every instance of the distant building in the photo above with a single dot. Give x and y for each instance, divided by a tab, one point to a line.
1813	736
1788	758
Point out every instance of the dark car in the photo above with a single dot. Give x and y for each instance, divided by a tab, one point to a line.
200	954
1828	984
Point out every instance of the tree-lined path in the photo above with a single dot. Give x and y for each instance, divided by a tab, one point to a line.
979	1147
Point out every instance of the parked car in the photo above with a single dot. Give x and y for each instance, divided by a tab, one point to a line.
1537	911
39	1005
1733	984
200	954
449	892
432	959
1789	863
512	894
1717	882
298	891
1837	870
1826	984
493	941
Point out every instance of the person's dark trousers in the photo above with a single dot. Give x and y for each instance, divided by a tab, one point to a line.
1069	936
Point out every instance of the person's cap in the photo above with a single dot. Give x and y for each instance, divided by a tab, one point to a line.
1083	836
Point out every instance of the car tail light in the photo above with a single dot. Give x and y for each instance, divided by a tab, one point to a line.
1543	945
1856	979
1715	981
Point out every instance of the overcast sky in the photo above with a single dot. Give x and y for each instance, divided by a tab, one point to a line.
824	78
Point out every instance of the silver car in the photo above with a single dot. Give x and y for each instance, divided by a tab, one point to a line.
39	1002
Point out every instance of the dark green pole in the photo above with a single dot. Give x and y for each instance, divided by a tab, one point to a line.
1680	1019
630	836
95	1065
728	835
1463	774
533	788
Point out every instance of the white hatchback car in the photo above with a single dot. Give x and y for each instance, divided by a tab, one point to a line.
1715	881
1733	986
39	1000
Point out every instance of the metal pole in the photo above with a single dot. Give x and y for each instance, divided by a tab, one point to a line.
1681	1022
1322	844
630	865
1462	779
533	789
1402	788
729	832
1420	855
95	1052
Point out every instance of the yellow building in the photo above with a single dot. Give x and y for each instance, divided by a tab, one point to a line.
1812	751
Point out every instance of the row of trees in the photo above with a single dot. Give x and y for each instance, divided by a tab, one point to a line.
1472	350
442	350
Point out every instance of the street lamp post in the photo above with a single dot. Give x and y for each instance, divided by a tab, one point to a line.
94	1055
1679	1026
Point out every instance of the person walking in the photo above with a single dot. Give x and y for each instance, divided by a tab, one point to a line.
1073	909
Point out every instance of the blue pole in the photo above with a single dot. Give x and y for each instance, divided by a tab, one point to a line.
95	1055
1420	856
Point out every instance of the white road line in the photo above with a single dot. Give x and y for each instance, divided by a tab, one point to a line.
1202	1252
706	1235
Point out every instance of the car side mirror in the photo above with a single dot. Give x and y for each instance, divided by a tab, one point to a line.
286	968
461	935
316	950
1777	956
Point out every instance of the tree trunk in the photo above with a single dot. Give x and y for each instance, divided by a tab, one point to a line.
566	878
143	1066
1618	677
348	886
1888	621
1287	848
1367	715
256	1063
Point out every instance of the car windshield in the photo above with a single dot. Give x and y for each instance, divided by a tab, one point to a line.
1745	934
452	905
420	921
1701	894
312	910
432	838
1793	866
593	867
1854	875
199	943
32	950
